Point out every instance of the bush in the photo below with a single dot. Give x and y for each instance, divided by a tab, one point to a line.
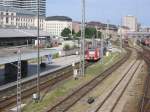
56	56
74	46
66	47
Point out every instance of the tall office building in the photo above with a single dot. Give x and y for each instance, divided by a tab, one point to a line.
26	5
130	22
9	3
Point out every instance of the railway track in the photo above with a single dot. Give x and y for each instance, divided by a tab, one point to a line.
46	82
115	94
145	102
69	101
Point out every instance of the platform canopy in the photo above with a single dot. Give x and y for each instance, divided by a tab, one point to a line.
11	33
26	56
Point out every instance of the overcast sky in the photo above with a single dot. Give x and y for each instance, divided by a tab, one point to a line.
101	10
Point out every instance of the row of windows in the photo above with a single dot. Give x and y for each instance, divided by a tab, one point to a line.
18	19
56	27
55	30
50	25
2	14
24	19
19	24
55	33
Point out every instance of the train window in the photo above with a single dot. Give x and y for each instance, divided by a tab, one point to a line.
91	49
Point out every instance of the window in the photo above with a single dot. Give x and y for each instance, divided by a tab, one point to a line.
2	13
7	20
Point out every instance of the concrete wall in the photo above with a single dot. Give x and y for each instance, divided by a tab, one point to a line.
11	70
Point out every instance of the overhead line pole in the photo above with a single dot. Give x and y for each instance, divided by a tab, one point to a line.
121	34
102	39
38	52
19	81
82	47
107	28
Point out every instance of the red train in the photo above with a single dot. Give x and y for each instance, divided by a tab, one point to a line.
92	54
145	41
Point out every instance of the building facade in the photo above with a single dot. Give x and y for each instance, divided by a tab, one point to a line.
106	29
130	22
56	24
19	18
122	31
30	5
76	26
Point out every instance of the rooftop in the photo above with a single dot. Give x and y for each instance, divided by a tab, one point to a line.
101	25
58	18
10	33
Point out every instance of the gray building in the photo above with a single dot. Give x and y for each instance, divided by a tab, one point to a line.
30	5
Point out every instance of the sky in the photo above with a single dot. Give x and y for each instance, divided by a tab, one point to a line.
101	10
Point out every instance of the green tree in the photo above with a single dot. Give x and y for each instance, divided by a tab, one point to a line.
90	32
73	32
78	34
99	34
66	32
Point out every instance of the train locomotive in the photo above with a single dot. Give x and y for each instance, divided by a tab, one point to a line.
93	50
144	41
92	54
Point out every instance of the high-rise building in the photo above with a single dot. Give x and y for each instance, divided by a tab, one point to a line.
26	5
130	22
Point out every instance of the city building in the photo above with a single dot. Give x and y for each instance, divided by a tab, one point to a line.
76	26
30	5
144	29
19	18
122	31
130	22
103	27
56	24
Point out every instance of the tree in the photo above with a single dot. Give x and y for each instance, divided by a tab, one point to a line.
66	32
78	34
73	32
99	34
90	32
